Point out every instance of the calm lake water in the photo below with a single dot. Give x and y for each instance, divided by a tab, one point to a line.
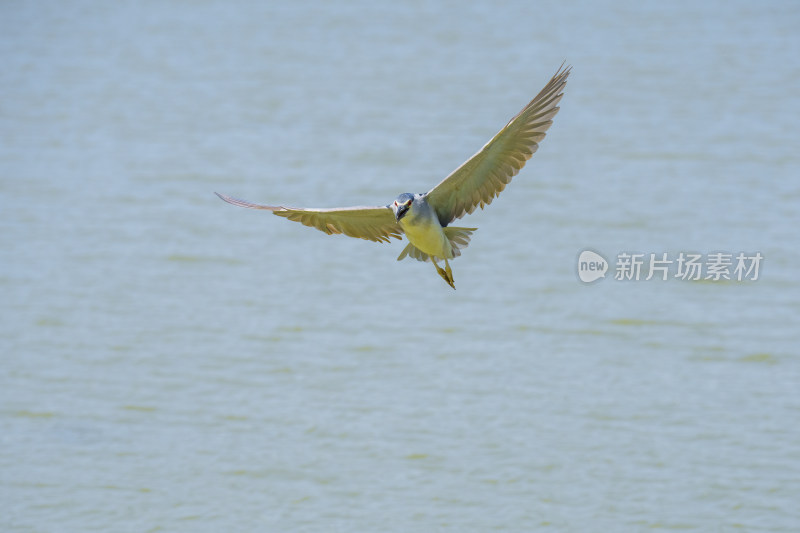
173	363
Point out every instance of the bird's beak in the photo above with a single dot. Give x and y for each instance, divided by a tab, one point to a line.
401	211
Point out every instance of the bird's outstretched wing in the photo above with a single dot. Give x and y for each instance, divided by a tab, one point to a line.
485	174
370	223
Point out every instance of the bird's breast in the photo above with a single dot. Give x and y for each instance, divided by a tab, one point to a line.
426	234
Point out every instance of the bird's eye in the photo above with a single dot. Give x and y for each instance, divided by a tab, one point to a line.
408	202
395	203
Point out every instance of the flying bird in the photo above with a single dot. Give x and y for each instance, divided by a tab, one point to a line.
425	218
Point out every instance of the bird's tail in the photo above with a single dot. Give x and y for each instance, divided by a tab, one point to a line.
459	238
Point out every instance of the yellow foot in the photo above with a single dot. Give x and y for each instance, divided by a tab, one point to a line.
447	275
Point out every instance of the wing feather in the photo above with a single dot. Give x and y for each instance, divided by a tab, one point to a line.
370	223
481	178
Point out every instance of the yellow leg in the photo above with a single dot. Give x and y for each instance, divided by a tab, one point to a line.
447	275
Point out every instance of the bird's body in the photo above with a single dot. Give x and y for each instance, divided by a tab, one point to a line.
427	239
423	230
425	218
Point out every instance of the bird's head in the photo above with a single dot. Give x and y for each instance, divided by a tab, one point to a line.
402	204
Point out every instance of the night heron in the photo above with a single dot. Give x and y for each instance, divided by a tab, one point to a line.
425	218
